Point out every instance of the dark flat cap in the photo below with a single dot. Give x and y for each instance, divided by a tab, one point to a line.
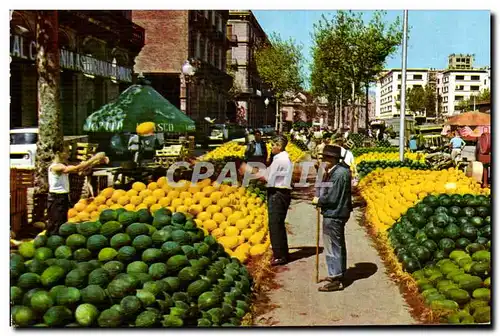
332	151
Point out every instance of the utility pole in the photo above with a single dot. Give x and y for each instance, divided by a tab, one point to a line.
403	91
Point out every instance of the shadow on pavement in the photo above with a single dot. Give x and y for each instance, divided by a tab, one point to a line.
304	252
359	271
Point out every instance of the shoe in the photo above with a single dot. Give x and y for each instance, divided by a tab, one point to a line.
278	261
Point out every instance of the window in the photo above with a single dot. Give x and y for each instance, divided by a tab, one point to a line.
399	86
474	88
201	47
221	63
417	76
213	18
459	98
198	46
459	77
205	56
438	81
206	13
475	78
459	88
417	86
219	24
399	76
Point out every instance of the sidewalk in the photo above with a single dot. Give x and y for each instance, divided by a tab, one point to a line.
371	299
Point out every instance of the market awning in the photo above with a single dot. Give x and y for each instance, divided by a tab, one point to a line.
137	104
470	119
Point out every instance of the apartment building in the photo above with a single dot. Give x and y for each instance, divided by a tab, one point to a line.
388	90
174	36
460	61
454	85
251	92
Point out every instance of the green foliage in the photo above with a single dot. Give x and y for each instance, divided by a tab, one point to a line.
280	65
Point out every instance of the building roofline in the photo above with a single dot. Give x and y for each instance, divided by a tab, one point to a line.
466	70
234	14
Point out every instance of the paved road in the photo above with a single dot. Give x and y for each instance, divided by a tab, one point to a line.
371	299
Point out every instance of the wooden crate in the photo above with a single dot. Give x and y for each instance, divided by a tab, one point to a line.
85	151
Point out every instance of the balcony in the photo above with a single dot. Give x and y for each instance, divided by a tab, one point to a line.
232	40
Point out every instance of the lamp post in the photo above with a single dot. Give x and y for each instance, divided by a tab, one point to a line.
266	104
403	91
188	70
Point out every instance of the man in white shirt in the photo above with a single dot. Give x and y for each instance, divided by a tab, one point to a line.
346	155
279	189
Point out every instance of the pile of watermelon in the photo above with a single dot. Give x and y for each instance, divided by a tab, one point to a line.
129	269
445	242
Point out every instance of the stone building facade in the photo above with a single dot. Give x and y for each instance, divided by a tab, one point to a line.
97	51
174	36
251	92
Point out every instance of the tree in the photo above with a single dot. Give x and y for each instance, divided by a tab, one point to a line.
349	54
430	101
415	99
49	109
468	104
279	65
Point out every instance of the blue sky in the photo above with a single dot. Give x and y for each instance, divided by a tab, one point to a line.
434	34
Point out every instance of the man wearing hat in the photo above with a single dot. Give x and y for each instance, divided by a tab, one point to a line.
335	203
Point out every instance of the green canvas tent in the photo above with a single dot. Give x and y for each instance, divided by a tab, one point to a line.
137	104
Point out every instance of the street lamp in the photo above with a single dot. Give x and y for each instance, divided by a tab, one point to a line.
188	70
266	102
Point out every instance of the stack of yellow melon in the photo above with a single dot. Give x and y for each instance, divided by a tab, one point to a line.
232	148
389	193
233	215
392	156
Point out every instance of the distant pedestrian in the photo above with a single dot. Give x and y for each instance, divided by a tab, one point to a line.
457	144
256	150
336	207
412	144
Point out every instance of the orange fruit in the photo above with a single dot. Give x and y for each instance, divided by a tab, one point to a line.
72	213
107	193
159	193
139	186
153	186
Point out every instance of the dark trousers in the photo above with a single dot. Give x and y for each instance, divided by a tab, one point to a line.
278	201
57	209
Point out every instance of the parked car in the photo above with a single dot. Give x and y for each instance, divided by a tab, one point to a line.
268	130
225	132
23	147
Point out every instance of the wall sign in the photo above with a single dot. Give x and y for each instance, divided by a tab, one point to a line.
22	48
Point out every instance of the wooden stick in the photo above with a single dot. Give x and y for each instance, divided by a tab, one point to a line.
317	244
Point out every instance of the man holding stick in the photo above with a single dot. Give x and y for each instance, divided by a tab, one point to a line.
335	203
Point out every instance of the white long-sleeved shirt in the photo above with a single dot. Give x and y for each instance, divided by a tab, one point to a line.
279	174
347	155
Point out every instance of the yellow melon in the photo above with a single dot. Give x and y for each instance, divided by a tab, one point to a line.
244	247
241	239
218	217
242	224
155	207
100	200
135	200
158	193
195	209
194	189
229	242
213	209
145	128
162	181
91	208
116	206
123	200
203	216
227	211
208	190
110	202
205	202
102	207
258	250
182	208
83	216
150	200
198	196
153	186
129	207
247	233
241	256
216	196
74	219
217	233
79	207
164	201
176	202
173	194
117	194
145	193
223	225
139	186
210	225
231	231
72	213
132	192
141	206
94	214
107	192
198	222
223	202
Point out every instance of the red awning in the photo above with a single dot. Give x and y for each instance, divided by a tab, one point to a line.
470	119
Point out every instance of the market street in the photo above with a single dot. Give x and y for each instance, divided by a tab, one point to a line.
371	299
